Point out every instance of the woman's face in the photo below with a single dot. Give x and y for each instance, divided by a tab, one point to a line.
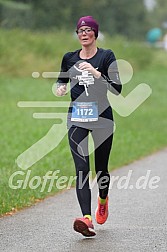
86	35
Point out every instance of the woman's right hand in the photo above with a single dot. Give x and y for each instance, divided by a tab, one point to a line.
61	90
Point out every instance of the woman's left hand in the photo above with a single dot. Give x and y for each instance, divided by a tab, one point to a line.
88	67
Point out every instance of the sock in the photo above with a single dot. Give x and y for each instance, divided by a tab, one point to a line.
102	201
88	216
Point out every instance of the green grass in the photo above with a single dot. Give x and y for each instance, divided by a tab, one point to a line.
141	133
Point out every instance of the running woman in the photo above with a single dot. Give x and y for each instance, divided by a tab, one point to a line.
92	71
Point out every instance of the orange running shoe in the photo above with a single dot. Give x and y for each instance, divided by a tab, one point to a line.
101	213
84	226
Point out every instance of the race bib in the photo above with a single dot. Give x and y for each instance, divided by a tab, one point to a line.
84	112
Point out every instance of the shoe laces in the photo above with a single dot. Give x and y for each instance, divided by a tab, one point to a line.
102	209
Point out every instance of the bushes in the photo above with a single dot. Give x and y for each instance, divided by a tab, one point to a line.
15	15
124	17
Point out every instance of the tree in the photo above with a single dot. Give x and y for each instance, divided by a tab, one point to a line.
125	17
158	15
21	1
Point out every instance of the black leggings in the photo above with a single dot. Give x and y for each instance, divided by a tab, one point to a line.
78	140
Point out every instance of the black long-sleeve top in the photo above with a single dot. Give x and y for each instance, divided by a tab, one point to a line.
90	89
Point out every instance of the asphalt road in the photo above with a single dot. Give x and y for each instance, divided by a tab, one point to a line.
137	220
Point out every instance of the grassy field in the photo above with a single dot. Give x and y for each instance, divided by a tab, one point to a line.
141	133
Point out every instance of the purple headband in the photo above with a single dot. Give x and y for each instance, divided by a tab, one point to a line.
88	21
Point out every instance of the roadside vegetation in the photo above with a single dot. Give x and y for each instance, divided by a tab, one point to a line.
23	52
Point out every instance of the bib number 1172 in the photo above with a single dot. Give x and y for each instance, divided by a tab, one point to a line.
84	112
